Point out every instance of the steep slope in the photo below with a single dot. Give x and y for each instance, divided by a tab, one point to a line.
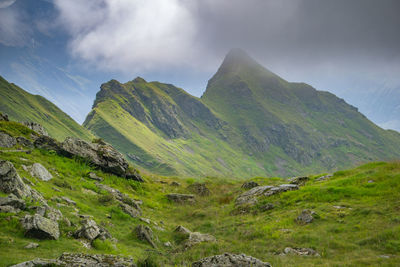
23	106
248	122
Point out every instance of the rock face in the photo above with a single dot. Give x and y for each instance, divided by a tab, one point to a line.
40	227
91	231
7	140
305	217
249	185
250	197
102	155
24	142
230	260
36	127
81	260
199	189
181	198
145	233
10	182
13	201
39	171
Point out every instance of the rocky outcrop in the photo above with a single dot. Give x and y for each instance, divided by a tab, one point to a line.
11	182
250	197
301	251
7	140
36	127
102	155
4	117
249	185
24	142
80	260
230	260
193	238
91	231
145	233
11	204
181	198
305	217
323	178
300	181
40	227
39	171
199	189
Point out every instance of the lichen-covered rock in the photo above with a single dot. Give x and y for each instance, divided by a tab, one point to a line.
80	260
193	238
4	117
24	142
94	176
145	233
91	231
305	217
249	185
181	198
102	155
230	260
323	178
301	180
199	189
40	227
36	127
7	140
11	182
13	201
250	197
39	171
134	213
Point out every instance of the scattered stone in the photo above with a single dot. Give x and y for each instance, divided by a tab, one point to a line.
231	260
94	176
69	201
37	226
323	178
145	233
281	188
175	184
11	182
56	189
39	171
301	251
134	213
199	189
81	260
249	185
7	140
181	198
89	192
85	243
31	245
181	229
193	238
24	142
52	213
91	231
162	182
8	209
301	180
305	217
266	207
4	117
167	244
250	197
36	127
145	220
371	181
13	201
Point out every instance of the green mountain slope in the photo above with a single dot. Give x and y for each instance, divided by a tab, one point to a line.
20	105
248	122
356	220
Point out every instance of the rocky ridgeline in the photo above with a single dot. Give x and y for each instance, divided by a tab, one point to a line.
99	154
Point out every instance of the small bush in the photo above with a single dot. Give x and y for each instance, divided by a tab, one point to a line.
150	261
106	199
63	184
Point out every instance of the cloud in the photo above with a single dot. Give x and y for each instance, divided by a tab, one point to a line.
129	34
14	31
6	3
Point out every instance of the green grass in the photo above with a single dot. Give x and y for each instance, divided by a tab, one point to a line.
22	106
366	228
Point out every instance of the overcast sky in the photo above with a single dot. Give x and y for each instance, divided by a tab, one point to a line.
324	43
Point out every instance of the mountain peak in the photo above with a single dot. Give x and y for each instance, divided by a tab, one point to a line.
236	57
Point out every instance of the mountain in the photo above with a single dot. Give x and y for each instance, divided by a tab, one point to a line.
22	106
248	122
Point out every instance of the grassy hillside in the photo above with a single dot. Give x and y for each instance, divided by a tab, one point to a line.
356	222
249	122
21	106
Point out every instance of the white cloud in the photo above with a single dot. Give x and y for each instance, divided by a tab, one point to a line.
6	3
13	30
132	35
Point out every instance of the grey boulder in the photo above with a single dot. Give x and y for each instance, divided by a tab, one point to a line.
37	226
39	171
230	260
181	198
145	233
7	140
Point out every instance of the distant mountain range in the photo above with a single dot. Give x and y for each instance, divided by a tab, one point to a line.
248	122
